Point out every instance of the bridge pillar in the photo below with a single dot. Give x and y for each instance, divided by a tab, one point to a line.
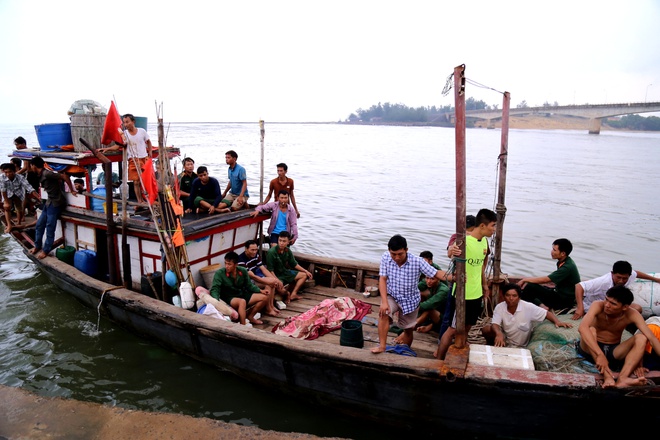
594	126
489	124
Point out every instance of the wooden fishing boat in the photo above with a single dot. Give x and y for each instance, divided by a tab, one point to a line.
417	392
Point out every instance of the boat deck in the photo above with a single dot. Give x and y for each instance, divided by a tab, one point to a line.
424	344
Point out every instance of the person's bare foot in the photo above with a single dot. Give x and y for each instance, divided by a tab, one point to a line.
273	312
34	251
609	382
256	321
294	297
623	382
9	228
377	350
41	255
424	328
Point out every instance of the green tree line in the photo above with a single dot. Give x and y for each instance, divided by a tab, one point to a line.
401	114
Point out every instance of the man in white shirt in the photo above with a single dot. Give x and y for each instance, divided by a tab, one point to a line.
513	320
586	292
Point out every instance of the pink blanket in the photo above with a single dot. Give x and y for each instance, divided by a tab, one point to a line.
322	319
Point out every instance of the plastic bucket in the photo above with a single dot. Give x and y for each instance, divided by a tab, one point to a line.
52	136
66	254
351	334
88	127
85	261
207	274
114	207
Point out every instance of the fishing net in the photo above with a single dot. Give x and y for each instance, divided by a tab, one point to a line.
553	349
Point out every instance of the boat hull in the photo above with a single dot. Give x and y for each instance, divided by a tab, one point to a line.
401	391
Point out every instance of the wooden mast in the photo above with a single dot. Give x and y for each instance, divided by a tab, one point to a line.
501	190
459	274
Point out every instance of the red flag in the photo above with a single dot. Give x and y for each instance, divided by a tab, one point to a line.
149	181
111	127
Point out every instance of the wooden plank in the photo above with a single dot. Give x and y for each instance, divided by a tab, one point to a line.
359	280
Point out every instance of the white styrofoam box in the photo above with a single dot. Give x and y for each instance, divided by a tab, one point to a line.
507	357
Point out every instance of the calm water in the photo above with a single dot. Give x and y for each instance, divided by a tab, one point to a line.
355	187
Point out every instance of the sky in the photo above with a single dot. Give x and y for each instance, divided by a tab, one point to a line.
318	61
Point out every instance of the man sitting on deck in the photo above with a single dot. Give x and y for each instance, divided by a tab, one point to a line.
601	331
205	193
281	262
398	277
260	275
562	296
622	274
232	285
513	320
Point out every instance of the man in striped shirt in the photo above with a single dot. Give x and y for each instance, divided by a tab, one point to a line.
399	274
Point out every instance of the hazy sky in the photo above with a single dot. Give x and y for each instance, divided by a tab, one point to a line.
318	60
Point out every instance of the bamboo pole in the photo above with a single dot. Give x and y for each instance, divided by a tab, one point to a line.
501	207
459	97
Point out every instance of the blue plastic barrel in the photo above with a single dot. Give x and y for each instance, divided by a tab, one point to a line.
97	204
85	261
53	136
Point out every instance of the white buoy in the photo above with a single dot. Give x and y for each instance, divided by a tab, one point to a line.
187	295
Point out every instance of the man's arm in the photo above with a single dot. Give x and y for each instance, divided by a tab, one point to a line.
534	280
67	180
293	202
299	268
553	319
579	300
644	276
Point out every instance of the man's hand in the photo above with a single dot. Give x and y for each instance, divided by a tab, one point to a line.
579	313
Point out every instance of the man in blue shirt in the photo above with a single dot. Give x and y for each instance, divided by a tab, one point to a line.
236	194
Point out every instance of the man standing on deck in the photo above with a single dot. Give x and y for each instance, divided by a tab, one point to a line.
476	286
622	274
282	182
562	296
51	182
14	188
283	218
260	275
138	152
398	278
236	194
32	178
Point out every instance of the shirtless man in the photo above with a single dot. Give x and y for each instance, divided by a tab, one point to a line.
600	338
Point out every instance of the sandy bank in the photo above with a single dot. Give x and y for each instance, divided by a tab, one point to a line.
26	416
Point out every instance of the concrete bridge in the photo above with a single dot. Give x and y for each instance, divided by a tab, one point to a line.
595	112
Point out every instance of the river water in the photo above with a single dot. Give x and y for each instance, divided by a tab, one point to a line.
356	186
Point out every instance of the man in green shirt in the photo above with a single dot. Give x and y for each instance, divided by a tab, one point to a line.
561	297
232	284
281	262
